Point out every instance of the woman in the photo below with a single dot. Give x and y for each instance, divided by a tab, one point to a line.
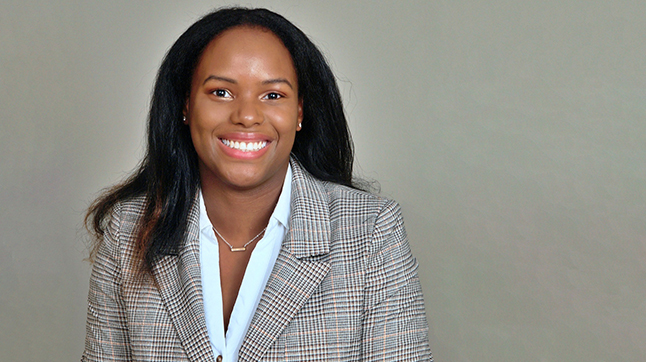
242	235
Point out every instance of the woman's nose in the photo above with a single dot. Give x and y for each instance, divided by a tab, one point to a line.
248	113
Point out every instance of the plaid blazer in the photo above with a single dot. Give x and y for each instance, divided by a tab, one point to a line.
344	288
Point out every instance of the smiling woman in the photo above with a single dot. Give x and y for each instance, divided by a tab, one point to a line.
242	234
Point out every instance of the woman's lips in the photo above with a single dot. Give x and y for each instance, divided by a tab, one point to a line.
244	146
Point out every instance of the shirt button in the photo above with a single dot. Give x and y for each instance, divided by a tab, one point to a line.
219	359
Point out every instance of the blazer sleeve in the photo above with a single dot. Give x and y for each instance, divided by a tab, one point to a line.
394	323
106	329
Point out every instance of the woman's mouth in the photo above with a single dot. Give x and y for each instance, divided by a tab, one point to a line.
244	146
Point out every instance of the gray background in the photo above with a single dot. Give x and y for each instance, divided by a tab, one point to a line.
512	133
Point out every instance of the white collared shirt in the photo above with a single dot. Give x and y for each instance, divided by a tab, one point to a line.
263	258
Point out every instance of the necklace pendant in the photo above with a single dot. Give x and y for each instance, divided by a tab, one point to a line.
242	248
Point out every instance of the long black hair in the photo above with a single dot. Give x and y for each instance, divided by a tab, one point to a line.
168	176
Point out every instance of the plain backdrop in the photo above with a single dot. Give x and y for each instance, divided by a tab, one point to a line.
513	133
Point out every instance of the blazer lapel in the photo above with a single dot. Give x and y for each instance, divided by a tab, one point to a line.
295	276
179	281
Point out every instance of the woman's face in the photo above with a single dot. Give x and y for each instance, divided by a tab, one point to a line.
244	110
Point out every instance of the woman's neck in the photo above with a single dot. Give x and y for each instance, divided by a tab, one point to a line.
239	215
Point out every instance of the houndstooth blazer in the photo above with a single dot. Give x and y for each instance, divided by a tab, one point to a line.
344	288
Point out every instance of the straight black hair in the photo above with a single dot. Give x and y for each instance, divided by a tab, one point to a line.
168	176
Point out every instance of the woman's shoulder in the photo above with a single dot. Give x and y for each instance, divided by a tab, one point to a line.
341	198
361	203
130	207
126	214
352	195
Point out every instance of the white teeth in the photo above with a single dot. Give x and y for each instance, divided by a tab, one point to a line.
245	146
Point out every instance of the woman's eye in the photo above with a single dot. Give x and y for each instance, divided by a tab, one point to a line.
222	93
273	95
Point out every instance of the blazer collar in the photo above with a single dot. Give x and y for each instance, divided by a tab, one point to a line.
309	226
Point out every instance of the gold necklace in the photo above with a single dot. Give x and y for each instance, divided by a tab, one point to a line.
244	247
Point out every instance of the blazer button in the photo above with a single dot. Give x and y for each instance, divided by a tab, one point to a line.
219	358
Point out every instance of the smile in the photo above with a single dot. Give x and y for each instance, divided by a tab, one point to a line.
244	146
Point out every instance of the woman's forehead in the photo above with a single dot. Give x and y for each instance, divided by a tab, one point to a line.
246	51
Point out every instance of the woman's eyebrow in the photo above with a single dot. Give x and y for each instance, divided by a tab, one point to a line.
233	81
278	80
216	77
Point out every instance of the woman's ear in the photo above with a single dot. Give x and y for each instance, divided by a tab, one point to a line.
185	113
300	115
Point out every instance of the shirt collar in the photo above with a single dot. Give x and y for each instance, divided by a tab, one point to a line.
281	211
